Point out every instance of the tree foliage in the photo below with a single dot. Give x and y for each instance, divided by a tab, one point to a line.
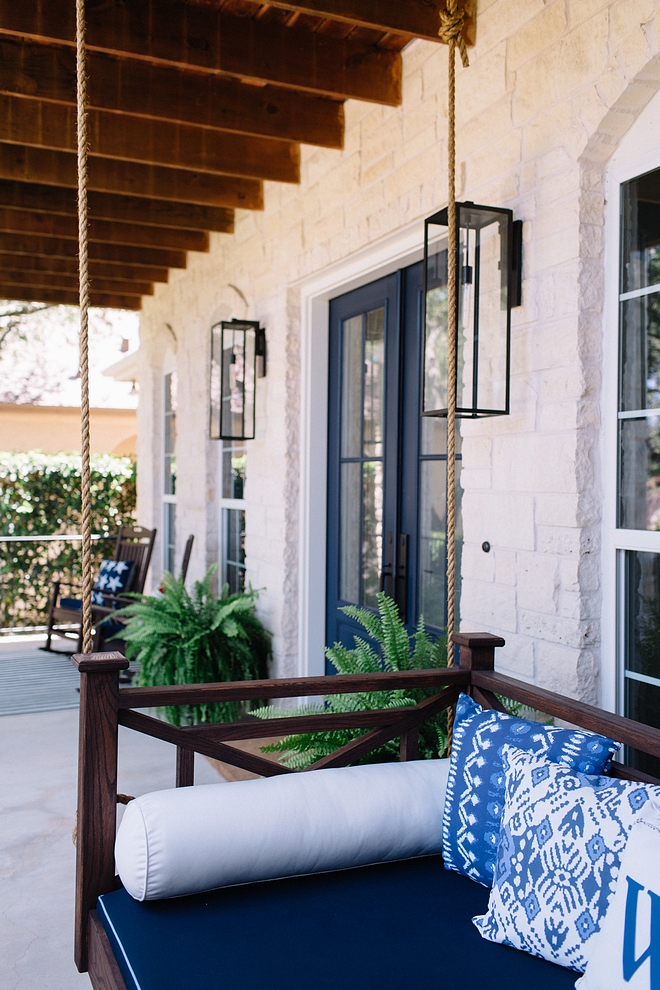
40	496
196	638
391	649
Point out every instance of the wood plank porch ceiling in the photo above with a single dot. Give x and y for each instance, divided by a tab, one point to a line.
193	105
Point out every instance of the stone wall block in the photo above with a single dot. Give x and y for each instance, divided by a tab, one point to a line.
556	668
504	520
538	33
517	658
562	66
475	564
491	606
505	565
537	582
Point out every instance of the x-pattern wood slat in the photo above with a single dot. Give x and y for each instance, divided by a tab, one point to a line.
389	724
192	105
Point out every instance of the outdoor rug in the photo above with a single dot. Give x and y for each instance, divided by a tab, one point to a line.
34	681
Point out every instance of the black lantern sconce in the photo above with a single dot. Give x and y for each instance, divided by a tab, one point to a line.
488	281
238	358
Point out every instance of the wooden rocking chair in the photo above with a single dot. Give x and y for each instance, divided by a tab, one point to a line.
134	543
101	613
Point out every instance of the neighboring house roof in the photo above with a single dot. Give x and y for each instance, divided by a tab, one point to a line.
56	429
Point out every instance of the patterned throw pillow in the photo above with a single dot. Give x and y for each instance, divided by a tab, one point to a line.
114	578
560	849
626	951
475	789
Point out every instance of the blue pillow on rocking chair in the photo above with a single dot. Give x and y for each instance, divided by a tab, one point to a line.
114	578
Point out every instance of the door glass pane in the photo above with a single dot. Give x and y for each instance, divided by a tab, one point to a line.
374	383
432	533
372	530
434	436
349	530
639	473
362	440
432	538
351	387
640	262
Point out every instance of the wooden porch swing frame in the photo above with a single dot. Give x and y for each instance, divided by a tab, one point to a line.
104	707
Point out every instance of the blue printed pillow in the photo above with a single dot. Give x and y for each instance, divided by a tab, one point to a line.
475	787
114	578
562	838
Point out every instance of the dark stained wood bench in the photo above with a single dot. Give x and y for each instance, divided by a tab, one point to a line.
103	707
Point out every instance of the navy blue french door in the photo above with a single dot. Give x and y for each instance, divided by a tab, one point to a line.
386	464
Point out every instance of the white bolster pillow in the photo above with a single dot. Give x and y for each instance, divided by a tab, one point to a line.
190	839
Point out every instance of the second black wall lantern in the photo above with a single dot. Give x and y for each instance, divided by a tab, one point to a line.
238	358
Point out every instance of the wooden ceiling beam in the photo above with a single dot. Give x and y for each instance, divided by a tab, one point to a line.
69	266
152	142
105	206
61	247
414	18
200	37
104	231
65	297
58	168
50	280
132	86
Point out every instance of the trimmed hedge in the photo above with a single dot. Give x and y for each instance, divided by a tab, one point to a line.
40	496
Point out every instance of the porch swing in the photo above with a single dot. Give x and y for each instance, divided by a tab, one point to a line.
392	919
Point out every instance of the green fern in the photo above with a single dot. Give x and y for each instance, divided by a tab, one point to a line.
396	651
196	638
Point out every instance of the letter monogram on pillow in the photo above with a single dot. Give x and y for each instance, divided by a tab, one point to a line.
626	950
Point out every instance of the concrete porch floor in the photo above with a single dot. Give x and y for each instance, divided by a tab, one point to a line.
38	766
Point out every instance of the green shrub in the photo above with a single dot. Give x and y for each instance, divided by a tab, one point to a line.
183	638
40	496
393	649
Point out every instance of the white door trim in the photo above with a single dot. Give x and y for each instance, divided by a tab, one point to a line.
637	154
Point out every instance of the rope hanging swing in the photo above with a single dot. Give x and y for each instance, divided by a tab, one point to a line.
451	28
451	32
81	79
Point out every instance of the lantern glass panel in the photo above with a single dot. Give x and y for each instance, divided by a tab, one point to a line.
482	278
233	379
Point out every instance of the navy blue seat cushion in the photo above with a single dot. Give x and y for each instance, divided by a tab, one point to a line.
395	926
71	603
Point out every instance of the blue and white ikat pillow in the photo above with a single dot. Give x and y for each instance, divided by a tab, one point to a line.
475	787
562	838
114	579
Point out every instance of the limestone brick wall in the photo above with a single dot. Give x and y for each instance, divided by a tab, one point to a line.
551	89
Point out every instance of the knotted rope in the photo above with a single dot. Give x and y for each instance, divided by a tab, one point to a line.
450	31
81	78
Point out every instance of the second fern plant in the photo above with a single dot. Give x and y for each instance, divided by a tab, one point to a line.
391	649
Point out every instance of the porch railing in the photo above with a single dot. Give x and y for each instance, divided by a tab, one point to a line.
28	565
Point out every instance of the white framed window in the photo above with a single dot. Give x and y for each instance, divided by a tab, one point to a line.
637	526
232	511
169	470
